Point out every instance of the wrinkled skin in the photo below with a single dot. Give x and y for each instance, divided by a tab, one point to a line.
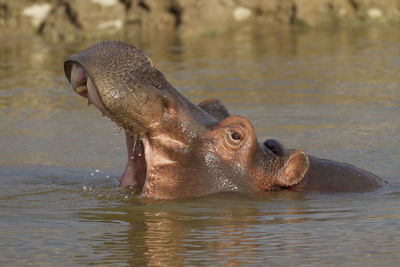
177	149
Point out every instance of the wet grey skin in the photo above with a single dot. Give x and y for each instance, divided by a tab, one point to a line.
177	149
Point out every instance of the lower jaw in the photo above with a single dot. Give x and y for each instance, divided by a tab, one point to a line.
136	168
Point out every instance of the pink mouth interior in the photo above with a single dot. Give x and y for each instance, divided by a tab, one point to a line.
136	168
135	171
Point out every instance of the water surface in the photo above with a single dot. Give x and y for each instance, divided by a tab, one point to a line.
334	94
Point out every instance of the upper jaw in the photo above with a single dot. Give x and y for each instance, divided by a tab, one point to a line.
83	85
135	173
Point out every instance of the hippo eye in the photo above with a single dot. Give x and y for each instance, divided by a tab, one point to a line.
234	139
235	136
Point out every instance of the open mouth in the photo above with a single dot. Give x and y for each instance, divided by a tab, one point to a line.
136	168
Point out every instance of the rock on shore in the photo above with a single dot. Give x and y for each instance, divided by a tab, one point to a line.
82	19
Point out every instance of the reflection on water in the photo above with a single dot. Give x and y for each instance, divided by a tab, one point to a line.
332	93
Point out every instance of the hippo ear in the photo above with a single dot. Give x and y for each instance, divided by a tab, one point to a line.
294	169
215	108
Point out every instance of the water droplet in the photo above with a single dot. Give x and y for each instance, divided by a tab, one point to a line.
97	170
132	157
115	94
140	154
107	176
134	142
92	174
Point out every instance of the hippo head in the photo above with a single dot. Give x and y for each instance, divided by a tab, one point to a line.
175	148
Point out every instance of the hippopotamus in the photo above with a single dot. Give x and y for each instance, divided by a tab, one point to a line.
177	149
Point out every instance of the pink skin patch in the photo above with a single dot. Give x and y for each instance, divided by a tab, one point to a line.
135	171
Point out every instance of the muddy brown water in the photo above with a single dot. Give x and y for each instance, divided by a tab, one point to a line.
335	94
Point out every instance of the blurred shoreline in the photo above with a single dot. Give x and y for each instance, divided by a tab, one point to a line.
72	20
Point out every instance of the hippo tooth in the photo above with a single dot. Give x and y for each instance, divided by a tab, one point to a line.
81	89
